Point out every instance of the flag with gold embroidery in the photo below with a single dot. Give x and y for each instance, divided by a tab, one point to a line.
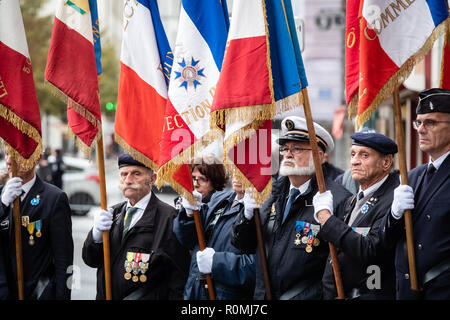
20	119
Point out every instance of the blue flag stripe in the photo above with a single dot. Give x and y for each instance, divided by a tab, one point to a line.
438	10
96	34
284	50
211	19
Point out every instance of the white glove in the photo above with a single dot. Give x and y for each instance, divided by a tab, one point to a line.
322	201
11	190
102	222
205	260
403	200
191	207
249	205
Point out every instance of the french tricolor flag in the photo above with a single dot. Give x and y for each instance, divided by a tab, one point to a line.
145	64
20	120
394	35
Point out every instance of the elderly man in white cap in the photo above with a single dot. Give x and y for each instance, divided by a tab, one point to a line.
296	254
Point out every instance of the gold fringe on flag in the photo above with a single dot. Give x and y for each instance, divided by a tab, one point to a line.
400	76
139	156
28	130
87	150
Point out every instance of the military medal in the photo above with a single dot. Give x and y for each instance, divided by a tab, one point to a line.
30	228
128	265
309	242
315	230
38	225
35	201
297	240
25	221
137	258
316	242
143	265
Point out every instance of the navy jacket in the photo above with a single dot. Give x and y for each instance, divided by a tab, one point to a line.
151	236
233	273
47	261
289	262
431	230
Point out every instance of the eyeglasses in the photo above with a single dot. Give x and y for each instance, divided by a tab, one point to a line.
294	150
427	123
200	179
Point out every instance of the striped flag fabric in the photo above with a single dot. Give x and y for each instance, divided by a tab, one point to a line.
393	37
352	34
257	81
81	127
20	119
198	55
72	70
145	64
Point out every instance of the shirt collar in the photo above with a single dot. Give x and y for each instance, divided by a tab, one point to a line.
141	204
303	188
437	163
370	190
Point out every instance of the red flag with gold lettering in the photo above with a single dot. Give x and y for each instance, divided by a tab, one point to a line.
20	119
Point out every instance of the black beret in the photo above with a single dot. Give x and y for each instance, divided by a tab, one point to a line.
126	160
434	100
376	141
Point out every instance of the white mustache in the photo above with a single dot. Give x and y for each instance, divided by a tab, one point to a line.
123	186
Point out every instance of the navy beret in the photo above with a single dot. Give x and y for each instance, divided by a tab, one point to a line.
126	160
376	141
433	100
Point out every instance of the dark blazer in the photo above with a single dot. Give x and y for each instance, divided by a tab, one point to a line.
168	261
46	262
357	250
431	225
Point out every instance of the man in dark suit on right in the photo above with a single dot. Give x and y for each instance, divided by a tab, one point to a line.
427	197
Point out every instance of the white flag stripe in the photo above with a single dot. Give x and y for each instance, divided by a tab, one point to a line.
140	49
190	44
73	19
12	31
406	34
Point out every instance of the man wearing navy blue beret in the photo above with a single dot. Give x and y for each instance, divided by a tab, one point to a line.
367	268
427	197
147	261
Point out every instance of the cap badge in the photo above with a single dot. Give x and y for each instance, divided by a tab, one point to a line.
431	105
290	125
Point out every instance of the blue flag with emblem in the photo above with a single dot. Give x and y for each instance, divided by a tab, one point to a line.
96	34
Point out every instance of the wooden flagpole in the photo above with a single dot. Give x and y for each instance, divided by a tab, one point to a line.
400	135
262	254
202	245
104	206
17	234
322	187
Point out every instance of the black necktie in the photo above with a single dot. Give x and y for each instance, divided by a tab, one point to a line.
292	195
426	180
360	195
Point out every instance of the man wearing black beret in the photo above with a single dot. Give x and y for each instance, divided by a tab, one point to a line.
427	195
367	268
147	261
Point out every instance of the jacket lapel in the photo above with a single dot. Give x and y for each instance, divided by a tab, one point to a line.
440	176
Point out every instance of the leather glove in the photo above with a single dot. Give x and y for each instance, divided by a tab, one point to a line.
322	201
249	205
102	222
205	260
403	200
11	190
189	207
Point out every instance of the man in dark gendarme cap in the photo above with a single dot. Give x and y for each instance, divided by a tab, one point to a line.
356	236
427	195
297	253
147	261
